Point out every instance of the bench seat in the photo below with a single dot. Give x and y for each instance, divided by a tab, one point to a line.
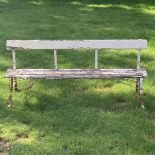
75	73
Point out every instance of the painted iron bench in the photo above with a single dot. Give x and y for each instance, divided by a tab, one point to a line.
96	73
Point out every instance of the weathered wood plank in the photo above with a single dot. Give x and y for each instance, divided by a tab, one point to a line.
75	74
75	70
76	44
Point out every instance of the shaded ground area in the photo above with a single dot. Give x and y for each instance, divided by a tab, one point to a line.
78	117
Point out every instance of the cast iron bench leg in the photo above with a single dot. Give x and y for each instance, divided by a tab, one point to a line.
15	85
11	91
137	84
141	92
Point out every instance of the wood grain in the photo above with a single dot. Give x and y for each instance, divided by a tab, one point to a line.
75	73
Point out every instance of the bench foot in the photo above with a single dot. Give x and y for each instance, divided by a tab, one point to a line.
141	99
11	93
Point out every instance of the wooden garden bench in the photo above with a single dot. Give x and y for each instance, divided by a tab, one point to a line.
96	73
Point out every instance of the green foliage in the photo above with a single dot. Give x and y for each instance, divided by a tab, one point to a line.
78	117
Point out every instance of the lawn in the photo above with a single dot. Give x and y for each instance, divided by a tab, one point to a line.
78	117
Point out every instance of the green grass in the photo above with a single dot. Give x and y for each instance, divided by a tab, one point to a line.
78	117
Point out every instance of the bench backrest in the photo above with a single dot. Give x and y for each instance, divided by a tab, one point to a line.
75	44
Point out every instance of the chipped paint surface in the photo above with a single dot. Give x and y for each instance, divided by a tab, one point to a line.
76	44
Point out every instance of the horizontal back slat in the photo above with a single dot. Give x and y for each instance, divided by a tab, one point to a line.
76	44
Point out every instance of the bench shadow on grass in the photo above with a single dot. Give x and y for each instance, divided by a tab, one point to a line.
79	113
76	96
80	93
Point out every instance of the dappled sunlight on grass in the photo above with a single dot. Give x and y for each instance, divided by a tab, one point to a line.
124	88
37	2
99	5
85	9
149	10
76	2
102	90
123	7
10	128
145	8
78	116
58	17
4	1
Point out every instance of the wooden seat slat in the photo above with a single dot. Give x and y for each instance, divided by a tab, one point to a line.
75	74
